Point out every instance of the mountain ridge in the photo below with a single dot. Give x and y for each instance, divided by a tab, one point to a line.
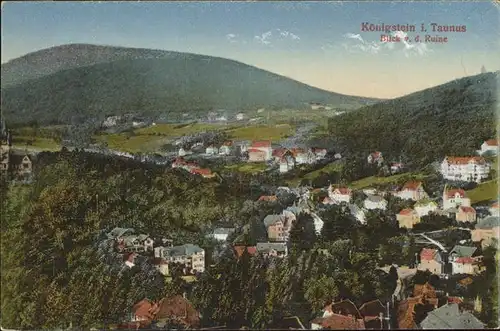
149	81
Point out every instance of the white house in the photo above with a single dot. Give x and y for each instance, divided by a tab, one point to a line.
318	223
182	152
226	148
303	156
358	213
212	150
494	209
286	164
425	207
412	191
221	234
375	202
454	198
319	152
490	146
462	260
375	157
240	117
470	168
260	151
340	194
189	255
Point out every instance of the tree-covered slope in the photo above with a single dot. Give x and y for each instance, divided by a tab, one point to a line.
156	83
450	119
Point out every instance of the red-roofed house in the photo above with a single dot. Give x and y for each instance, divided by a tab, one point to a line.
238	250
453	198
407	218
412	191
430	259
205	173
268	198
466	214
375	157
337	322
339	194
490	146
141	311
469	168
260	151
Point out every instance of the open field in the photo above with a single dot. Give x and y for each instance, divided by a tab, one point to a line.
484	192
329	168
188	279
132	144
262	132
247	167
373	180
36	144
176	130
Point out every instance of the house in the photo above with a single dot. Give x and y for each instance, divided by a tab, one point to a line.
226	148
238	250
494	211
271	198
279	153
450	317
375	202
212	150
357	213
135	243
203	172
469	169
278	227
337	322
339	315
286	164
182	152
431	259
424	298
129	259
412	191
466	214
260	151
340	194
462	260
117	233
453	198
373	314
425	207
320	153
141	311
110	121
407	218
189	255
316	106
177	309
486	230
14	162
396	167
489	147
303	156
161	265
272	249
318	223
375	157
221	234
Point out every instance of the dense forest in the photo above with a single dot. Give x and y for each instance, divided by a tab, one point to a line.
451	119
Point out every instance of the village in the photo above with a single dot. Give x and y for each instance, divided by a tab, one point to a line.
463	259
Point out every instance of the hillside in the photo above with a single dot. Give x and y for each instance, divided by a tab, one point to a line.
450	119
152	83
51	60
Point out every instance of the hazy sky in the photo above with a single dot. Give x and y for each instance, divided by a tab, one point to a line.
321	44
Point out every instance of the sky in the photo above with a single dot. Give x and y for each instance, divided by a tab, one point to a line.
319	43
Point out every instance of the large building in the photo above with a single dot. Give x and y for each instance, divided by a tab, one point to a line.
189	255
14	163
467	169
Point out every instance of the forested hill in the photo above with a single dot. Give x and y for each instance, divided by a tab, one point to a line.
146	82
450	119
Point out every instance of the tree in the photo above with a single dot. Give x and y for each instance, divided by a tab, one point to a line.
302	233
